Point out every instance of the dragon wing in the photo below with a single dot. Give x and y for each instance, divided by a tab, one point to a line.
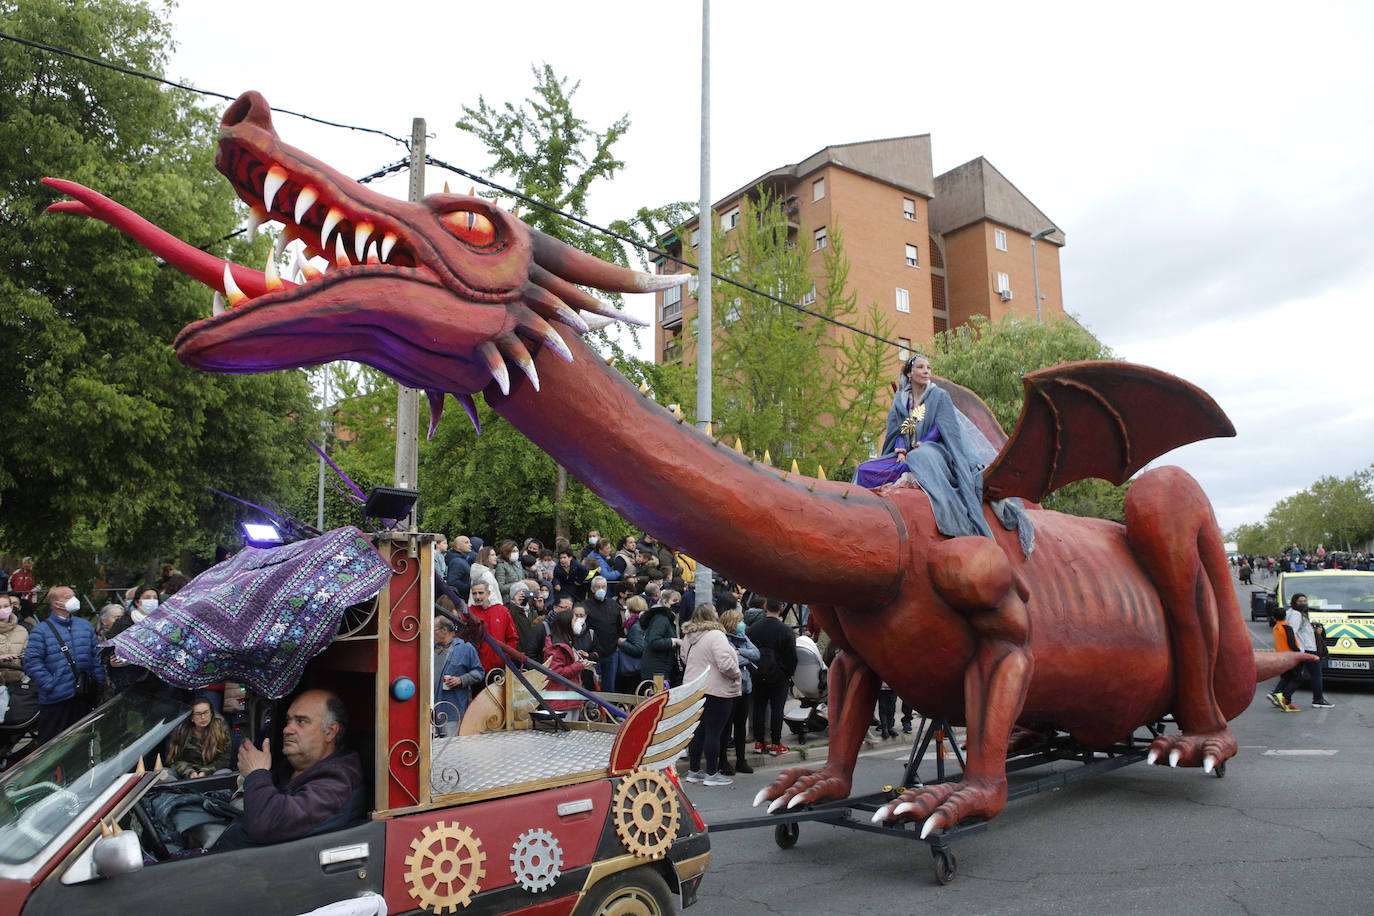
1101	418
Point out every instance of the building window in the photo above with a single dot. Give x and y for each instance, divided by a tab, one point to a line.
904	351
693	284
1003	283
696	237
909	208
671	351
809	297
1000	239
903	301
672	304
818	189
732	313
819	235
912	257
730	220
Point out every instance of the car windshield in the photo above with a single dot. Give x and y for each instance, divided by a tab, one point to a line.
41	795
1353	592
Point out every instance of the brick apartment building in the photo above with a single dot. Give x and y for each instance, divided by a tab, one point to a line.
933	251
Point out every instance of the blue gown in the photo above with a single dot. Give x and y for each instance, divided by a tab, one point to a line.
947	465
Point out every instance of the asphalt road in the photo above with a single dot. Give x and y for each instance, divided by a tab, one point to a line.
1289	829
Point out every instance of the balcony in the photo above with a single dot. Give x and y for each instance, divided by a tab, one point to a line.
670	312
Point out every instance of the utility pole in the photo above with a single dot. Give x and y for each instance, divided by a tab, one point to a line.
408	399
705	225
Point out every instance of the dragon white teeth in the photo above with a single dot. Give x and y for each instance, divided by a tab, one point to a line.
276	177
271	277
331	220
217	306
361	233
340	252
279	248
304	201
384	250
231	289
255	219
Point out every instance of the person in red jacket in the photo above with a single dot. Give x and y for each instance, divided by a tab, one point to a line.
497	620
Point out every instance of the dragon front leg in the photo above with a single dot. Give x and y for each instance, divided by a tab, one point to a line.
973	575
853	691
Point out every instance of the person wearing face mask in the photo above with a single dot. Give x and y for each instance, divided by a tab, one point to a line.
1307	636
13	640
55	671
569	577
508	569
143	605
604	617
562	658
593	540
521	609
737	727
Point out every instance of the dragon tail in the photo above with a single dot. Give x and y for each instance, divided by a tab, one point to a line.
1269	664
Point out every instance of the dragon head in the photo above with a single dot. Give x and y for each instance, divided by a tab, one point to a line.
438	294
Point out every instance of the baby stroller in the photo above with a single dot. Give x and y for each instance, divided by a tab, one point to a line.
20	725
806	711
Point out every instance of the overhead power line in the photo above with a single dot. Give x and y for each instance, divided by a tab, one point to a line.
439	163
119	68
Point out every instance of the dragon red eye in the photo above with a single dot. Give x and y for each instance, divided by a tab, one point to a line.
471	227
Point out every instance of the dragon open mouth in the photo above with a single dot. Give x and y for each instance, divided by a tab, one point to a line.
438	294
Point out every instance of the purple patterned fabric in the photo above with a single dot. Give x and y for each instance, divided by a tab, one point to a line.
259	616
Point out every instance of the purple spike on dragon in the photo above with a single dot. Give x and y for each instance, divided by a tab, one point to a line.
1103	628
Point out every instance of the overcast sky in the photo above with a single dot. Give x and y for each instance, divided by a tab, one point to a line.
1208	162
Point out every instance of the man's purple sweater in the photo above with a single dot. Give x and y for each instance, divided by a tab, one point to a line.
322	793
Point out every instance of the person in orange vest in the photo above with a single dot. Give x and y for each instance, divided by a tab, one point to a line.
1285	640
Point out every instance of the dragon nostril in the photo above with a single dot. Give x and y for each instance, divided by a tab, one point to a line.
252	107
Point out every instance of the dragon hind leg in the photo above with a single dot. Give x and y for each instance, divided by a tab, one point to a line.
1172	531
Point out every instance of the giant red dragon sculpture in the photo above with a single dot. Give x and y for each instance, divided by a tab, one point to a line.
1103	628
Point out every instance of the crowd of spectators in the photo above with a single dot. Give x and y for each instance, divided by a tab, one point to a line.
1251	567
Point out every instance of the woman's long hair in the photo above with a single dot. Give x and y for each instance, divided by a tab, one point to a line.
216	737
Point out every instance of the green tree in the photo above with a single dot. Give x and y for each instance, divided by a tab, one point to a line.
990	359
109	441
794	385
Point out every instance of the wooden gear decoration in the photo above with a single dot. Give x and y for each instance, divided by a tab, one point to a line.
444	868
646	812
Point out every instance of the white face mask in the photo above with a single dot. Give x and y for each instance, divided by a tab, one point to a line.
512	556
72	605
591	541
600	594
148	605
579	625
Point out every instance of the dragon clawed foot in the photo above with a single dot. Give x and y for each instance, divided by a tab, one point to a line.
1204	750
946	804
800	786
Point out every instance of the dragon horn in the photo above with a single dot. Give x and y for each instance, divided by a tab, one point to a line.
589	270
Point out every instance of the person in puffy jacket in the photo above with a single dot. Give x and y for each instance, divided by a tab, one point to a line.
561	658
705	649
659	624
13	640
47	666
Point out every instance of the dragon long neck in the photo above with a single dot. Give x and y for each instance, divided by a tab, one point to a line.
788	536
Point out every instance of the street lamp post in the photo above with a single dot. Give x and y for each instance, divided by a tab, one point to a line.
1035	270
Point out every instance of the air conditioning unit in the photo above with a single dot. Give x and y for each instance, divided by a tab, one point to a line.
1006	295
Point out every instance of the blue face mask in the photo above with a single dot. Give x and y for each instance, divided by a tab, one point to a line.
600	594
739	628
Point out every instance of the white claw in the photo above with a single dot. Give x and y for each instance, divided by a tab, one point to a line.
384	250
555	343
928	826
758	799
217	306
796	800
1209	763
882	814
777	803
361	233
276	177
331	219
304	201
1151	757
527	366
1174	756
903	808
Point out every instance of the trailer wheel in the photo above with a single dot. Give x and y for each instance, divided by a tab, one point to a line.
944	863
785	835
637	892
